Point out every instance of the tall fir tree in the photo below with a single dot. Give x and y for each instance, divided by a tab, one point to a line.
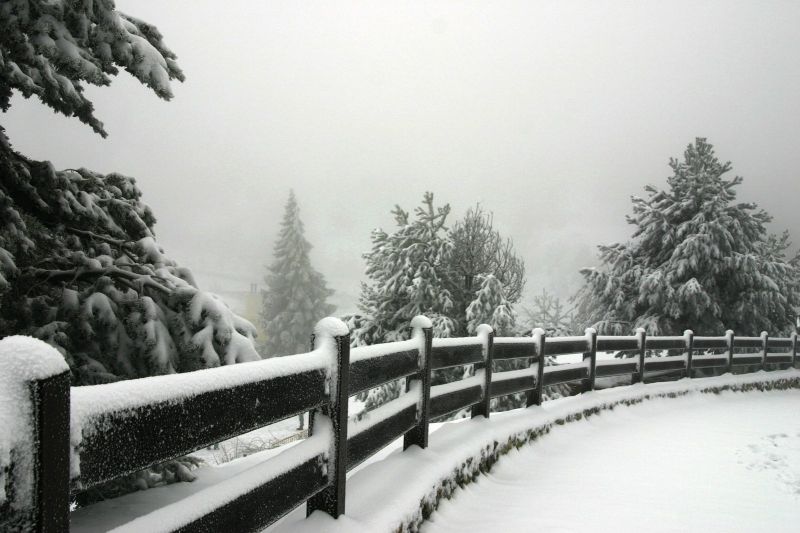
296	294
697	260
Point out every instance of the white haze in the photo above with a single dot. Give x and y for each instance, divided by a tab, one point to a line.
551	114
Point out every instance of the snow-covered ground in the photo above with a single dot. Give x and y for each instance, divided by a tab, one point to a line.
700	463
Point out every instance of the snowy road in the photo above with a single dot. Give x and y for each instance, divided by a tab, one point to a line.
703	463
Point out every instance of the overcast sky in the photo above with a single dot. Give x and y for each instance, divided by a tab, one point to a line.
551	114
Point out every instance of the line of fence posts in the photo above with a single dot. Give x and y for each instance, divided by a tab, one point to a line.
51	415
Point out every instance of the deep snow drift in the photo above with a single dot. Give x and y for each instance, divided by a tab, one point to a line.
700	463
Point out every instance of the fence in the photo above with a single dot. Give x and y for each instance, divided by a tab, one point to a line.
87	435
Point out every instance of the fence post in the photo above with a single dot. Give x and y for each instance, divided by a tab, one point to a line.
641	337
423	331
729	339
534	397
764	342
689	336
39	496
486	333
591	337
794	349
332	498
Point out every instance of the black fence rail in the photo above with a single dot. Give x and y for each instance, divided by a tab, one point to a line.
87	435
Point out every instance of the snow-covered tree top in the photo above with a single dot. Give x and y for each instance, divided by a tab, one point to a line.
51	48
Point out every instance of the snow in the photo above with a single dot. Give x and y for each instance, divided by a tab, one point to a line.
513	340
22	360
457	341
514	374
383	494
89	403
575	338
421	322
173	516
724	463
566	366
387	490
330	327
454	386
681	357
247	444
379	350
385	411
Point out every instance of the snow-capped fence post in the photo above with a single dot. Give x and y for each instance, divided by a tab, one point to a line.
37	379
689	336
591	355
794	349
764	348
332	498
641	338
418	435
534	396
729	340
483	408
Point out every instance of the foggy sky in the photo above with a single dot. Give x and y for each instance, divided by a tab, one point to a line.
551	114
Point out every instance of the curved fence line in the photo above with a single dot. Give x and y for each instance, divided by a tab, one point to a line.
106	431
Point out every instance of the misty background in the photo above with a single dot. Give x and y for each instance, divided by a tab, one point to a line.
550	114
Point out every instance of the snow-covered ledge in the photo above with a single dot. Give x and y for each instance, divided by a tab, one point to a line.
399	491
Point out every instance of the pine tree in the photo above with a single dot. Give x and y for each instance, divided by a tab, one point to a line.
491	307
697	260
416	270
409	275
50	49
295	298
79	264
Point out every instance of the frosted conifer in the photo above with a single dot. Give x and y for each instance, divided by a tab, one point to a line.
409	275
697	260
491	307
79	264
296	294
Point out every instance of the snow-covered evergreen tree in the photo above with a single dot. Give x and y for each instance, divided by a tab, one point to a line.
296	294
50	49
491	307
409	275
697	260
79	266
414	270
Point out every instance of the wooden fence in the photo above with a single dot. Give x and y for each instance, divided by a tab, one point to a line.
128	426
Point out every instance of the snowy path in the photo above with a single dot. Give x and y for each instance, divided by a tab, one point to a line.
702	463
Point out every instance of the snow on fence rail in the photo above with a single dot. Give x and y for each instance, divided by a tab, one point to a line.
69	439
